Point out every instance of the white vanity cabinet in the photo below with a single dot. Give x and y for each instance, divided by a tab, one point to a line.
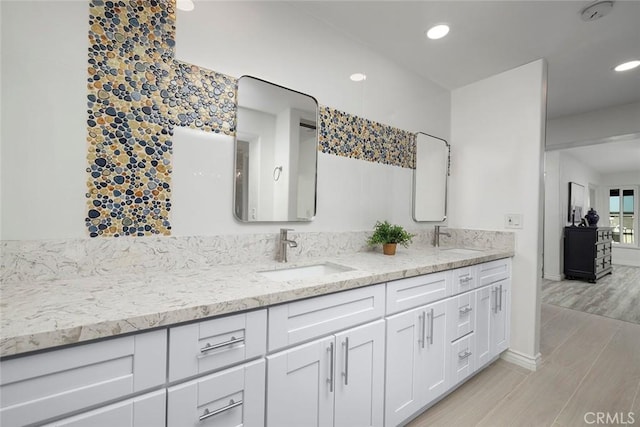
493	311
48	385
417	360
336	380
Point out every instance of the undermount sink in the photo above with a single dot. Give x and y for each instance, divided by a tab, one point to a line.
304	272
462	251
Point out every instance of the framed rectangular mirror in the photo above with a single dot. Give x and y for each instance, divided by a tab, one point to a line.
276	152
430	178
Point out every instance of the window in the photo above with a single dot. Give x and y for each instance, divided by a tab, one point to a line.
623	215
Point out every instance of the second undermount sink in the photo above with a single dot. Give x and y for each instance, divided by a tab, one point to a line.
462	251
304	272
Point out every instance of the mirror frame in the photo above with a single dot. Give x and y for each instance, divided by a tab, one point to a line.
446	181
315	161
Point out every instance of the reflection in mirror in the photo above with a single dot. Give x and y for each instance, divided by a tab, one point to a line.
430	178
275	154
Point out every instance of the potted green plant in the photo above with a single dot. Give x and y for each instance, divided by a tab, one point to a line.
389	236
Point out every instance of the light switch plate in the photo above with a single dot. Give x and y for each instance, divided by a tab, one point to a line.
513	221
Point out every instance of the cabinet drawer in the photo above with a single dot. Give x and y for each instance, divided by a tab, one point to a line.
304	320
38	387
605	235
464	279
494	271
213	344
413	292
461	315
144	411
462	358
602	264
234	397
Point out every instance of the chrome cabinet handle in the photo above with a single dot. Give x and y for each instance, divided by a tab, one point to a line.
465	310
500	297
494	295
210	347
330	380
345	374
466	279
431	328
208	414
423	334
463	355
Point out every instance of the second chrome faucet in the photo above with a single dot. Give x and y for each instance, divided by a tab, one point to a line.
283	243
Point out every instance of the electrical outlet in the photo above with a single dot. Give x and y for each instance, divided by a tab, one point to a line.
513	221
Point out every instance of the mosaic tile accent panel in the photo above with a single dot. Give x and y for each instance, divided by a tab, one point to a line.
343	134
137	92
200	98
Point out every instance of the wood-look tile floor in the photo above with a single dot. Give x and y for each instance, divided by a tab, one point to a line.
616	295
590	364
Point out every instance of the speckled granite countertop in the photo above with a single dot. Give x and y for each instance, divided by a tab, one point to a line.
43	314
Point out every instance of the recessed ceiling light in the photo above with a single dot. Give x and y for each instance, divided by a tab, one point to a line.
186	5
358	77
627	66
438	32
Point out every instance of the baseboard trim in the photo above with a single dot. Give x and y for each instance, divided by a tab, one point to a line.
522	360
554	277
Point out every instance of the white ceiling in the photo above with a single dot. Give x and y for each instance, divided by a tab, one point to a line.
612	157
488	37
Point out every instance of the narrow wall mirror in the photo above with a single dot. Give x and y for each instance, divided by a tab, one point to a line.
276	153
430	178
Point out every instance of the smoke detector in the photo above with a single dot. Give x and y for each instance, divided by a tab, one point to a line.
596	10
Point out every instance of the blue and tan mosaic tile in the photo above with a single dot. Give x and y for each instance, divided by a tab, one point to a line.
346	135
137	92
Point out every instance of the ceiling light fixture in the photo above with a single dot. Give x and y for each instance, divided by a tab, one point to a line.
358	77
596	10
628	66
186	5
438	31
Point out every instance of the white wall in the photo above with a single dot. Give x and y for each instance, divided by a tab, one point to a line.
44	71
560	169
278	43
497	134
610	124
43	133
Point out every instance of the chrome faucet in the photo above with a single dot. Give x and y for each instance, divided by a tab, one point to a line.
283	243
436	235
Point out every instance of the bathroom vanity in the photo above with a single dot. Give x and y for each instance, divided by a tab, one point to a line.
372	344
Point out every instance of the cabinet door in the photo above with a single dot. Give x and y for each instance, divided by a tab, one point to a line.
230	398
404	389
359	373
300	385
500	318
435	354
144	411
484	306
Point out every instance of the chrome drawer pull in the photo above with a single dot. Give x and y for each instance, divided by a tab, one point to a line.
463	355
346	361
330	379
431	328
466	279
465	310
231	405
424	328
210	347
